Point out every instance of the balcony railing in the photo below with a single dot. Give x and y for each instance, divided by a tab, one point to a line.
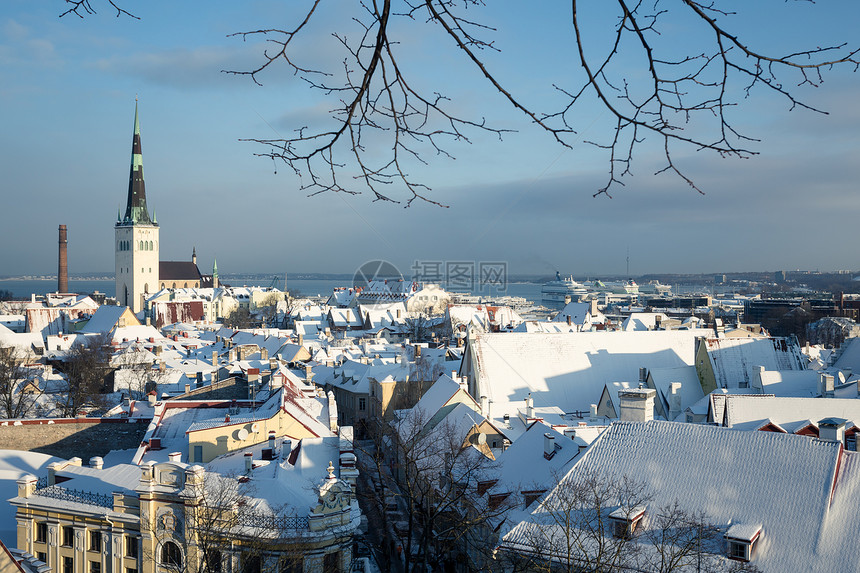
272	522
74	495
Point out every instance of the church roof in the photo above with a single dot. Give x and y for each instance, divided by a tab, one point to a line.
135	210
178	271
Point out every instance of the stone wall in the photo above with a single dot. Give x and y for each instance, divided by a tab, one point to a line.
67	438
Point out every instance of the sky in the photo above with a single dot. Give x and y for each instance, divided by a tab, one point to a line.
67	96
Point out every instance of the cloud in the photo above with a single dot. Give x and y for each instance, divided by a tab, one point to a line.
197	68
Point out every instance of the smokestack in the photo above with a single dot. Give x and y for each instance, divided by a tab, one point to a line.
63	264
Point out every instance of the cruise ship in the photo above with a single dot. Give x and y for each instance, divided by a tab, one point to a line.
554	292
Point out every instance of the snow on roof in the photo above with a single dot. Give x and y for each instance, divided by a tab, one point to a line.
24	340
104	320
733	359
121	477
438	396
741	411
571	370
643	321
733	481
546	327
849	355
578	313
279	485
138	332
523	467
691	388
800	384
13	465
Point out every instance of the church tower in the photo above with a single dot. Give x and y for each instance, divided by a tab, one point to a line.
136	237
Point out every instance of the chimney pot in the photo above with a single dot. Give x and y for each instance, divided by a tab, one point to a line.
548	446
97	462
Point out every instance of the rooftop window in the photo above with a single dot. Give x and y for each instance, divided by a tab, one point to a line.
741	540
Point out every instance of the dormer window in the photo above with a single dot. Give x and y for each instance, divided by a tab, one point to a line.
741	540
626	520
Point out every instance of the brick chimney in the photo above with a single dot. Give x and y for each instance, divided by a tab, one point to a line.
63	263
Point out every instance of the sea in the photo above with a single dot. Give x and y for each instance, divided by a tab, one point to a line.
22	288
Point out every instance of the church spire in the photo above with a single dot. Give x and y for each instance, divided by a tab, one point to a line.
136	211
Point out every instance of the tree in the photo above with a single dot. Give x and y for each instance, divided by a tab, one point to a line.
430	474
676	72
136	371
221	521
598	523
86	366
17	394
239	318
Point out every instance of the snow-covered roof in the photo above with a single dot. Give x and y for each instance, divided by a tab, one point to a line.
745	412
801	491
104	320
579	313
733	359
523	467
643	321
849	355
691	388
795	383
570	370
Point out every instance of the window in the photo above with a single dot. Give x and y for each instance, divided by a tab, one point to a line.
292	564
331	563
68	565
95	541
251	563
41	532
626	520
130	570
361	404
213	561
737	550
42	556
68	536
130	546
95	567
170	554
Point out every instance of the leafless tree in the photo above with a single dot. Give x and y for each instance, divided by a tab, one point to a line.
223	522
17	393
681	93
137	372
86	367
596	523
426	481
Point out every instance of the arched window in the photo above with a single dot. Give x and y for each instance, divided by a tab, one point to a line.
186	285
150	245
170	554
141	245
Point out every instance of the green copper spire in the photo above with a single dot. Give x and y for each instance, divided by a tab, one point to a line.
136	211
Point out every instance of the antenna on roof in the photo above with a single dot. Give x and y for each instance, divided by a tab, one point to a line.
628	261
